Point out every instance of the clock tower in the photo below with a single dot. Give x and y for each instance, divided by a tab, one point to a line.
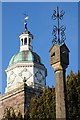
26	76
26	64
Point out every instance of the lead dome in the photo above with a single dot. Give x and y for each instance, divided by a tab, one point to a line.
25	56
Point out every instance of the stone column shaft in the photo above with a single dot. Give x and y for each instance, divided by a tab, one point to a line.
60	94
59	59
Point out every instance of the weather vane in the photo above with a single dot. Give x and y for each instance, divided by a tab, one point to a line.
25	22
58	31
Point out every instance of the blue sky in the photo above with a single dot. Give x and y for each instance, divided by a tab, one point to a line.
40	24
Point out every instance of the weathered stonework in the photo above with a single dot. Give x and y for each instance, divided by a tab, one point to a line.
59	59
60	94
19	99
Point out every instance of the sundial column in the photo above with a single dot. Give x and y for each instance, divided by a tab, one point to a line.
60	92
59	59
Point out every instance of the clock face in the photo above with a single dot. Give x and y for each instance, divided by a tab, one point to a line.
25	73
12	77
39	77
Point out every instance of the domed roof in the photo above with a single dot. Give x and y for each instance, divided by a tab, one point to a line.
25	56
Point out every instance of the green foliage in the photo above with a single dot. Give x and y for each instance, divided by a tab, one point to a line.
73	95
9	114
27	115
43	107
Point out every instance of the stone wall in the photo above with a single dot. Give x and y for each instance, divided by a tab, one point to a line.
13	99
19	99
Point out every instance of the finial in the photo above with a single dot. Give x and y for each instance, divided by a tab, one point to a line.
25	22
58	31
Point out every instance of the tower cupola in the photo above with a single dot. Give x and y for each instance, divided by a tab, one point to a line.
26	64
26	38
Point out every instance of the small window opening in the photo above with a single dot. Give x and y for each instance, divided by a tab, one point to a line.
29	41
21	41
25	41
53	54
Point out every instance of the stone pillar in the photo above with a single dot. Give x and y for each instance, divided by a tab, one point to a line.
59	59
60	92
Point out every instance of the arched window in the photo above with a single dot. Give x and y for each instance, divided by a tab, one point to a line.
29	41
21	41
25	41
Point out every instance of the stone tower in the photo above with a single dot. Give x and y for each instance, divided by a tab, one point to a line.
26	76
59	59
